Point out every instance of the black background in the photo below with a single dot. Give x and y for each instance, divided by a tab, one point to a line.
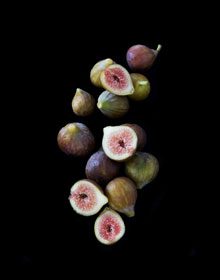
50	58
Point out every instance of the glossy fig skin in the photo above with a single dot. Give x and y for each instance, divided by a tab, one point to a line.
76	139
141	135
101	169
97	70
111	105
140	57
141	87
83	103
142	168
122	195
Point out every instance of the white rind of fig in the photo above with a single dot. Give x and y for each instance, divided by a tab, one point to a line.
119	142
116	79
86	197
109	227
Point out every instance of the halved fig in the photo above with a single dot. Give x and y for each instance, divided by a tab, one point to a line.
109	227
119	142
141	135
86	197
117	80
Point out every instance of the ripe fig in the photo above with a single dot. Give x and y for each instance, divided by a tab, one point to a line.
76	139
122	195
101	169
141	87
111	105
119	142
140	57
97	70
141	135
83	103
117	80
142	168
86	197
109	227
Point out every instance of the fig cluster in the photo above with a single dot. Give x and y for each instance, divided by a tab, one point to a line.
114	173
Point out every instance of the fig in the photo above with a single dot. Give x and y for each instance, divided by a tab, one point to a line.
111	105
83	103
86	197
142	168
76	139
101	169
122	195
140	57
117	80
141	135
109	227
119	142
97	70
141	87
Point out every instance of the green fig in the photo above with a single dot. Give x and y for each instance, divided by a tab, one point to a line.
111	105
142	168
141	87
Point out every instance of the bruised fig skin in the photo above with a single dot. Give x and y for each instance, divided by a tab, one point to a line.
97	70
116	79
83	103
87	198
141	87
109	227
122	195
140	57
111	105
76	139
119	142
142	168
141	135
101	169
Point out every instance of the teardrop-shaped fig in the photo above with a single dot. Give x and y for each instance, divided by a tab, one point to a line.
117	80
140	57
109	227
141	87
76	139
111	105
142	168
119	142
141	135
122	195
86	197
101	169
97	70
83	103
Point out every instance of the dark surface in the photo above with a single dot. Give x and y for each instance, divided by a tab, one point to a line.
55	61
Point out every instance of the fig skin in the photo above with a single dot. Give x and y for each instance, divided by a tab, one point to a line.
101	169
111	105
142	168
97	70
140	57
141	135
122	195
76	139
141	87
83	103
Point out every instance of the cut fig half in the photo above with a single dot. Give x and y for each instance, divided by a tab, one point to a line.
109	227
87	198
119	142
117	80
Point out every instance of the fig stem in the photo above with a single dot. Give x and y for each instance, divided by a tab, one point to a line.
99	105
73	129
142	83
159	47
